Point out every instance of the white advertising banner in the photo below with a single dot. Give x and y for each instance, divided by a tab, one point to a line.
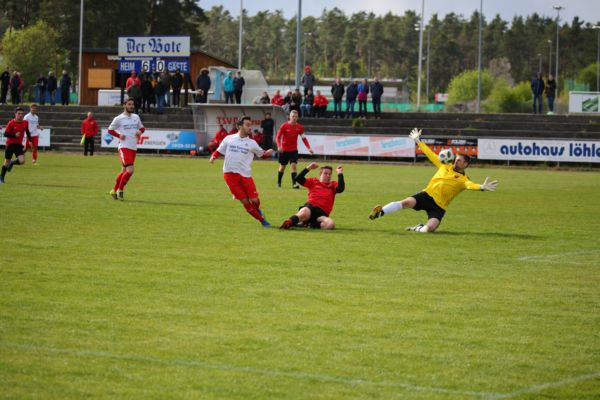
43	141
156	140
353	145
584	102
154	46
539	150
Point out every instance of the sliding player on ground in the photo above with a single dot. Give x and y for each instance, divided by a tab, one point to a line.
239	151
446	184
287	146
127	127
321	196
16	129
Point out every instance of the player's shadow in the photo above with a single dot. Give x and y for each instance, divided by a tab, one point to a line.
50	185
504	235
164	203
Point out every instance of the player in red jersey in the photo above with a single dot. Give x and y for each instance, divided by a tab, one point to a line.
16	129
287	145
219	136
321	195
127	127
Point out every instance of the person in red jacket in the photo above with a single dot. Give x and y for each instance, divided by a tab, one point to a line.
277	99
219	136
321	196
258	137
320	104
131	79
14	133
89	129
287	146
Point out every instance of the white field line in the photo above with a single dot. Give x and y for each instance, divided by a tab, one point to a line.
544	386
251	370
554	256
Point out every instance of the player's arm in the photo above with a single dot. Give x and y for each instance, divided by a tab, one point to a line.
301	178
220	151
10	132
341	186
140	129
305	141
259	152
487	185
28	133
415	135
278	137
114	133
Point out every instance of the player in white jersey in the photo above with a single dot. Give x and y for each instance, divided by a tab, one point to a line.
127	127
239	151
34	128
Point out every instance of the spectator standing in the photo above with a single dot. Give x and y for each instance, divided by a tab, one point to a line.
65	88
159	91
228	87
320	104
203	85
238	87
147	94
537	89
89	129
308	80
287	101
376	93
307	104
52	86
363	93
351	94
5	83
550	93
176	84
15	83
295	101
277	99
166	80
144	75
42	83
337	92
133	78
268	126
135	92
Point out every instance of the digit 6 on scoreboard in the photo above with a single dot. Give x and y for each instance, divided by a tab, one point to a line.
145	65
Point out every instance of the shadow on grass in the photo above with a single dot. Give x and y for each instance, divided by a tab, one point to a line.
505	235
51	185
163	203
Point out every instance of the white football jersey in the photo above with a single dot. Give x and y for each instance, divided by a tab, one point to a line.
33	121
239	153
127	126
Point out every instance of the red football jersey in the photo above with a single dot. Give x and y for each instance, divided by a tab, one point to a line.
16	127
287	136
321	194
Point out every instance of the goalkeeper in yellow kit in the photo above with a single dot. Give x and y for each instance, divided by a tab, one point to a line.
446	184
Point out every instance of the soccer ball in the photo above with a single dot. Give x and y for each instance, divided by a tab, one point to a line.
446	156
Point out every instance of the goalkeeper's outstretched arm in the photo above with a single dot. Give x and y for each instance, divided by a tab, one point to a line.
415	135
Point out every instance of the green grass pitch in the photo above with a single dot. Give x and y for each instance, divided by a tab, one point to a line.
178	293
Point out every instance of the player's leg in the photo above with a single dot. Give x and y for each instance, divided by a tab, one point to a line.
303	215
326	223
115	188
294	168
379	211
17	150
5	163
34	146
282	164
431	225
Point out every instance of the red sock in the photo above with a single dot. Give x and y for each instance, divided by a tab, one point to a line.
124	180
117	181
252	211
257	203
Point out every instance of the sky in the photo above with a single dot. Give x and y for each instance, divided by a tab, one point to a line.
587	10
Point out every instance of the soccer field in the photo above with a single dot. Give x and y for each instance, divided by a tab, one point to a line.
178	293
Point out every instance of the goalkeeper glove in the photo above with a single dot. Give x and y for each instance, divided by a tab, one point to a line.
489	186
415	135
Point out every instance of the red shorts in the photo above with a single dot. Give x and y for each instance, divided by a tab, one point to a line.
127	156
240	186
34	141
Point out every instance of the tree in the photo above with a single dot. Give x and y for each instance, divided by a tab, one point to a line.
22	50
463	87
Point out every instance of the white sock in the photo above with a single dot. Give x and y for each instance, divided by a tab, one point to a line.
392	207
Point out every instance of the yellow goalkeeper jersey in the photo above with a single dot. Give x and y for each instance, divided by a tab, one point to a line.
446	184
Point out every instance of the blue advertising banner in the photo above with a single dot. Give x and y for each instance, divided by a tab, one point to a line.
157	140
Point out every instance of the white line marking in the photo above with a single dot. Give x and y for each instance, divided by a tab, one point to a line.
552	256
544	386
252	370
